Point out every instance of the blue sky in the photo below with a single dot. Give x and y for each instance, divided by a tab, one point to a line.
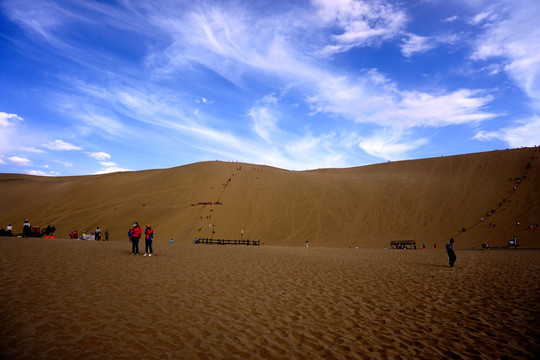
91	87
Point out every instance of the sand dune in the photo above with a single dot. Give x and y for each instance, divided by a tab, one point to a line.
426	200
65	299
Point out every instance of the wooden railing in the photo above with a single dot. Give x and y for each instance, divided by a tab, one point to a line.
226	242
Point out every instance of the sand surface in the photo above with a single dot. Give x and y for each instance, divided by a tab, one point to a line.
64	299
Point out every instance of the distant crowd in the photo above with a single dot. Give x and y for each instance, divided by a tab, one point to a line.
134	235
49	232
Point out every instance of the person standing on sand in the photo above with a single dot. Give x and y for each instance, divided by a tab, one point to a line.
451	253
148	237
136	232
26	229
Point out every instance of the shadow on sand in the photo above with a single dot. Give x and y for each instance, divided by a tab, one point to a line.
431	265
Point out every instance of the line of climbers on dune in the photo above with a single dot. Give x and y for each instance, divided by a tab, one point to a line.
218	202
203	203
503	205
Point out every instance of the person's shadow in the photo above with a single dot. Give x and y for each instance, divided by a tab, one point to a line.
431	265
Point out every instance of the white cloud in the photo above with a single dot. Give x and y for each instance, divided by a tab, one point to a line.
101	156
415	43
264	118
36	172
204	101
504	41
523	133
42	173
484	16
390	145
60	145
451	19
92	120
110	169
415	109
361	23
20	161
264	121
7	120
108	166
373	99
31	150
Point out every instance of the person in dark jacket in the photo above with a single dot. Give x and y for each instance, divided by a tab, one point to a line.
451	253
26	229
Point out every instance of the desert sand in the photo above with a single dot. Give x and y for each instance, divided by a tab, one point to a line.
427	200
67	299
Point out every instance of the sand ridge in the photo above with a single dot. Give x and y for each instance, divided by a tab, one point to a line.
73	299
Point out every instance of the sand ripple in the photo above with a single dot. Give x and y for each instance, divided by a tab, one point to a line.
62	299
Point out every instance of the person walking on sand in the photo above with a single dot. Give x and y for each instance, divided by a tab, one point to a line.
148	237
136	232
451	253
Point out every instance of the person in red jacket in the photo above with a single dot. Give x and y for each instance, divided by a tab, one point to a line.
148	236
136	232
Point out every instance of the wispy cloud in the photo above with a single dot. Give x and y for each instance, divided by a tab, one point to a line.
415	44
504	40
484	16
390	144
359	23
20	161
523	133
264	117
30	149
60	145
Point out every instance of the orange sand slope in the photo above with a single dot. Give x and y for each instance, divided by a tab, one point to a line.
427	200
65	299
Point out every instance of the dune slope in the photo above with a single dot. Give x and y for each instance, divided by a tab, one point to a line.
427	200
